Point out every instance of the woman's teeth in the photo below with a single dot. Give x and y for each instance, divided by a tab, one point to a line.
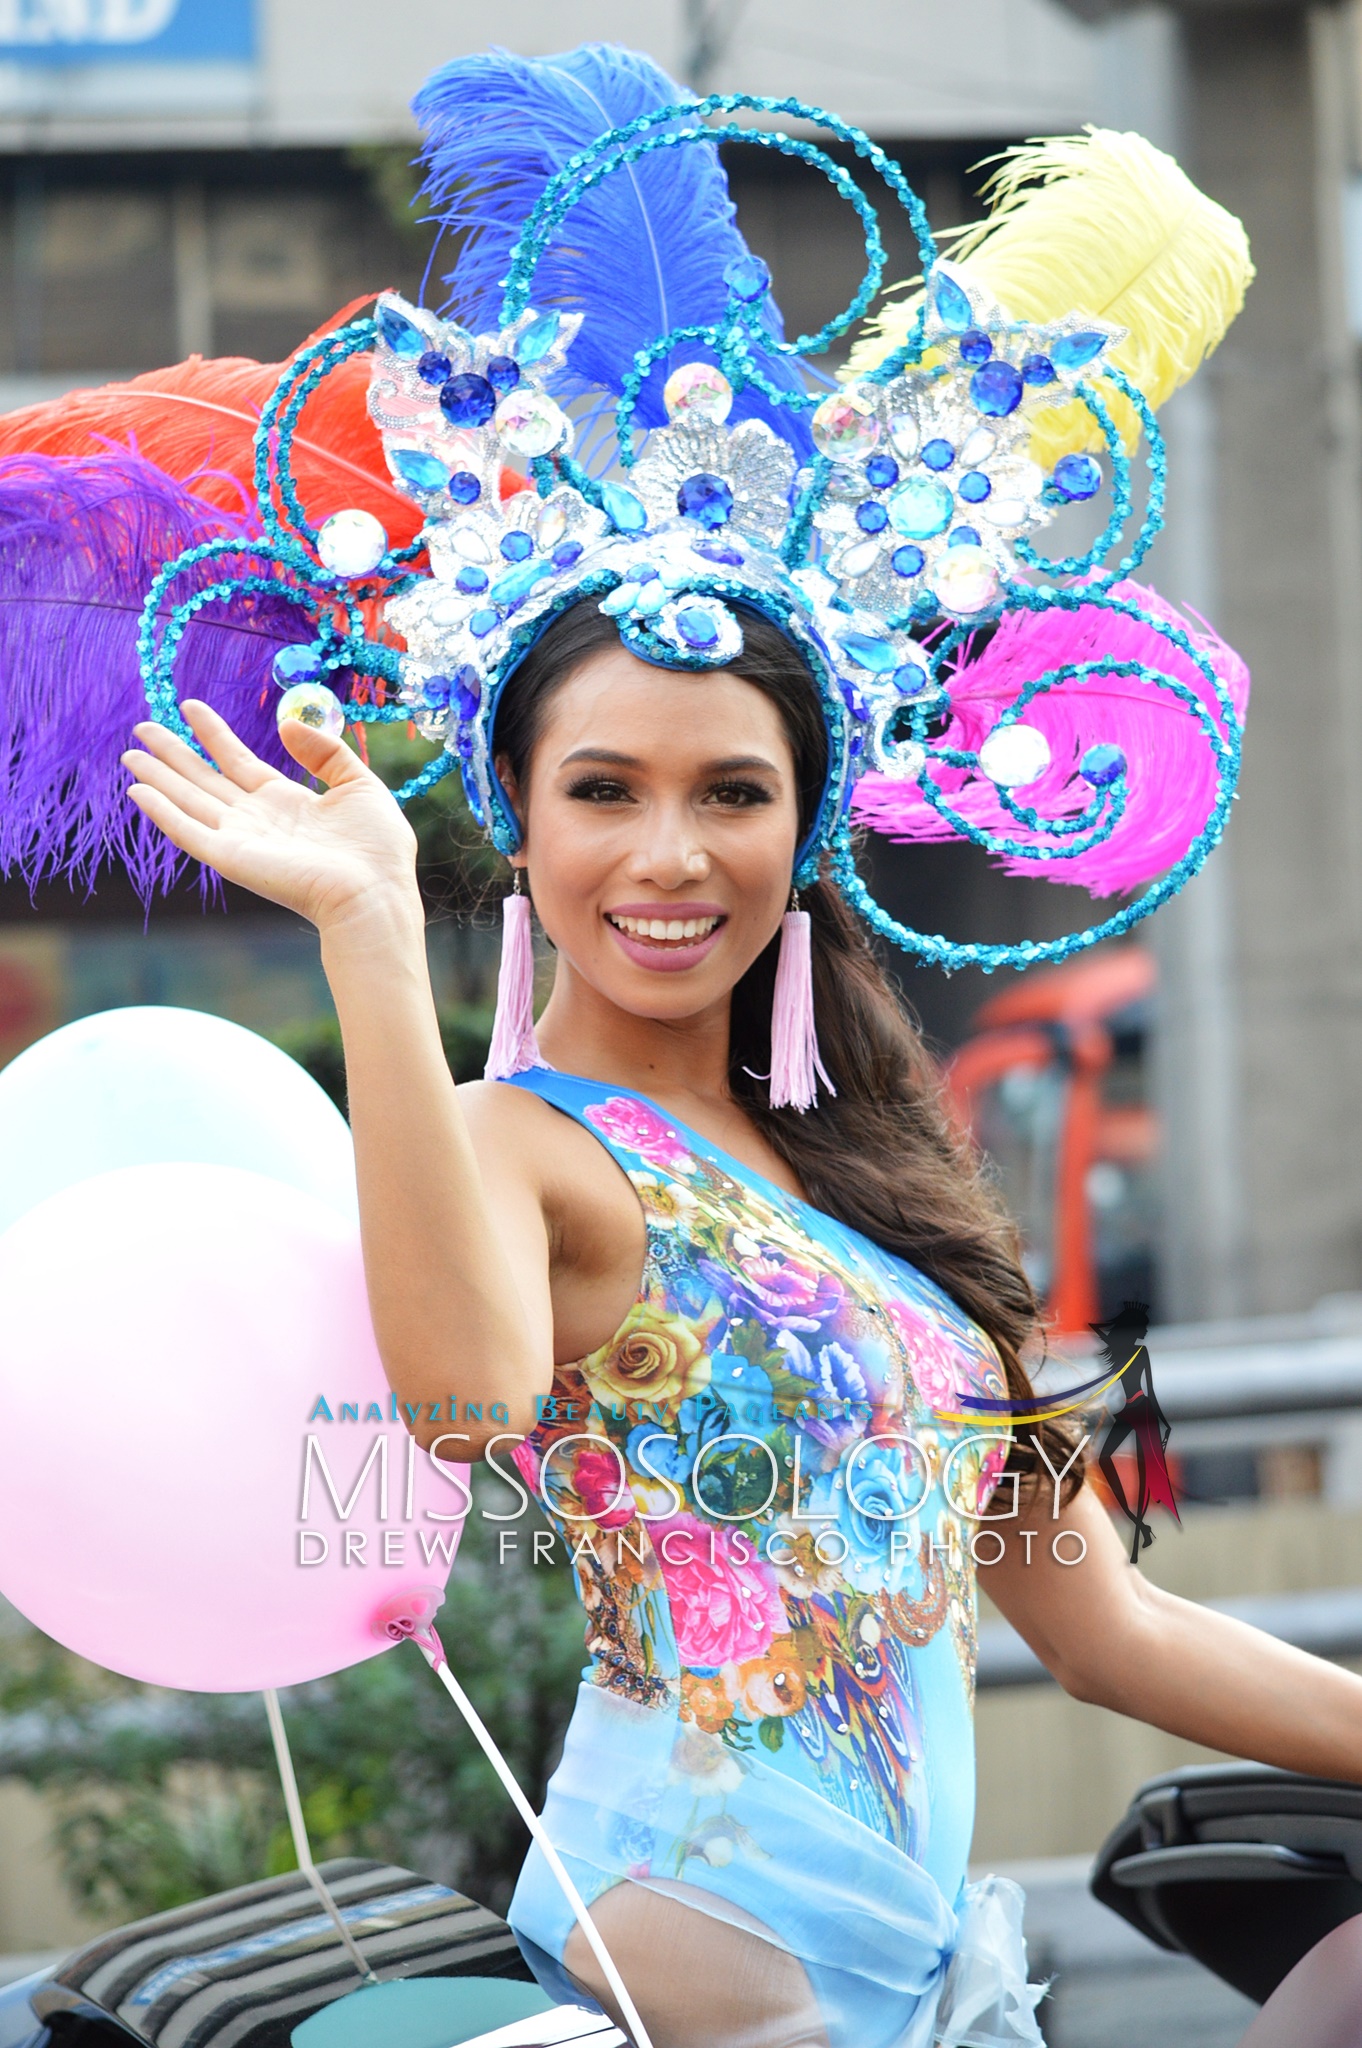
670	928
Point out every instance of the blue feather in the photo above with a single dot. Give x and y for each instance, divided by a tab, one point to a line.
642	253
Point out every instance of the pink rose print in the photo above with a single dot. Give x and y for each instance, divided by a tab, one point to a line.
725	1611
782	1291
640	1129
990	1471
599	1485
933	1361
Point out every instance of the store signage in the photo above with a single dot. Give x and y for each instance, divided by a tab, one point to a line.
155	31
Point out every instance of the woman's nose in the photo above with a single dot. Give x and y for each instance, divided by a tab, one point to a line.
669	853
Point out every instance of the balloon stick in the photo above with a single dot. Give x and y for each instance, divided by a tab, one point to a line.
298	1828
432	1649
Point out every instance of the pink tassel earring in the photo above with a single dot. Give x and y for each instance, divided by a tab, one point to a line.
794	1038
514	1048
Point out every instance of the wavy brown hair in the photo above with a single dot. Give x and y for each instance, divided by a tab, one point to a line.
881	1155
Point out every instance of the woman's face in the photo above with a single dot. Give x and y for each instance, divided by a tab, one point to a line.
660	830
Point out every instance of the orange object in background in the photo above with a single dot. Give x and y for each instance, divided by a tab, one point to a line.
1052	1085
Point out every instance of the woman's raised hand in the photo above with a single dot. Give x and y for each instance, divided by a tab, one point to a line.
328	854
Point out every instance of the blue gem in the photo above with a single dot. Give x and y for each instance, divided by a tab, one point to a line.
538	338
463	747
627	513
876	655
651	597
467	690
1037	370
297	665
1102	765
516	546
871	517
472	794
938	454
717	551
566	553
433	368
921	508
975	487
471	581
706	499
964	536
403	337
468	401
503	374
1076	476
996	388
418	469
699	629
881	471
953	309
1072	351
517	584
975	346
911	680
645	573
482	622
907	561
748	278
464	487
435	693
620	599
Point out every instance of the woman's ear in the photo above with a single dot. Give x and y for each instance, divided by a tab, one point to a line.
506	777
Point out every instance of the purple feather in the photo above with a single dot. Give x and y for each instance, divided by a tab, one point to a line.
80	542
1171	772
644	252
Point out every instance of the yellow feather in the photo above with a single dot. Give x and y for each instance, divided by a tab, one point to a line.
1100	223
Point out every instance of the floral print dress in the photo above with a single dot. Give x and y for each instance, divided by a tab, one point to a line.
767	1495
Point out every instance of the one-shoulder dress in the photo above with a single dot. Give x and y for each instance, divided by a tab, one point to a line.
767	1495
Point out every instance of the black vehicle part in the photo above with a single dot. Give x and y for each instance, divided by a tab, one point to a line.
244	1968
1242	1867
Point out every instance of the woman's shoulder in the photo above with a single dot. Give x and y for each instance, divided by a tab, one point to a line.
519	1136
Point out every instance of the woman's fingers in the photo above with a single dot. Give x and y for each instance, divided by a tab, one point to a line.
189	834
323	754
231	754
196	798
166	746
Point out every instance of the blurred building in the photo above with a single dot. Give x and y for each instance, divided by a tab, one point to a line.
222	175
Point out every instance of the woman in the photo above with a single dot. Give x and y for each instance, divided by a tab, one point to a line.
649	796
741	1323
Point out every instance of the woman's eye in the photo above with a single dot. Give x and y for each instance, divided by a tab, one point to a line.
598	789
738	795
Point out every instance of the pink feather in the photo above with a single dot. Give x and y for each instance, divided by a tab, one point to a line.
1171	772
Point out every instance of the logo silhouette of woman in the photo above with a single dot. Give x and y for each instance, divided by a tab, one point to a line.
1139	1416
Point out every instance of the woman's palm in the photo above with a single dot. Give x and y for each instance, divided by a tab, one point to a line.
319	853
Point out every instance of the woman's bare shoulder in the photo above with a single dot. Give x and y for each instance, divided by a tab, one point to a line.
517	1134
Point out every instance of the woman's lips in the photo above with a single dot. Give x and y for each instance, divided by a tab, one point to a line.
655	935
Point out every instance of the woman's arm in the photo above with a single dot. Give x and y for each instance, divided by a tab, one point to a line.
455	1250
1112	1639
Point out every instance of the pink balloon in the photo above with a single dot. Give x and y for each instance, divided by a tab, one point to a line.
165	1333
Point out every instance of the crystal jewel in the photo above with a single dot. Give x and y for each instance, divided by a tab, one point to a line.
975	487
966	581
717	551
298	664
467	689
869	653
627	511
857	559
433	368
1077	477
845	426
905	433
698	628
921	508
706	499
312	704
516	545
1014	755
503	373
352	543
423	472
468	400
908	560
402	336
1102	765
1072	351
698	391
552	526
538	338
964	536
529	422
566	553
1037	369
519	582
953	308
483	621
911	678
938	453
871	516
748	278
471	580
996	388
978	446
975	346
464	487
468	540
881	471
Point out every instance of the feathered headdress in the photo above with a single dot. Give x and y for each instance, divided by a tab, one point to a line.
1050	711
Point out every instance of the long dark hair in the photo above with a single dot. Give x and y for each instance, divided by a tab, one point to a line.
881	1155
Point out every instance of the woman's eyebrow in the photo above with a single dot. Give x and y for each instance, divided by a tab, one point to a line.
728	766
